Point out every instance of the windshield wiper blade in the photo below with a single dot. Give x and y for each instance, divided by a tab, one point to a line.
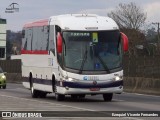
83	61
104	65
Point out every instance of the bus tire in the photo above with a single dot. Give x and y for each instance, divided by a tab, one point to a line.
42	94
53	83
82	96
74	96
59	97
4	87
34	93
107	96
30	80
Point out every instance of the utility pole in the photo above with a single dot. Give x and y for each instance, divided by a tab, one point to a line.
157	23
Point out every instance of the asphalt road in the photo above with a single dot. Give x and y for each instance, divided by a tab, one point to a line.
17	98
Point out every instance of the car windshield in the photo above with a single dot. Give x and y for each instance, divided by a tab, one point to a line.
1	71
92	51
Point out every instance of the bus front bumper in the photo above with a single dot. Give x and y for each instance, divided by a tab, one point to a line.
68	88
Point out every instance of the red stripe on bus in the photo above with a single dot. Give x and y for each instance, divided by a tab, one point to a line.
34	52
37	23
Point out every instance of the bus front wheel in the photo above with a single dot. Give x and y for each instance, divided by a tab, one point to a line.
59	97
34	93
107	96
42	94
4	87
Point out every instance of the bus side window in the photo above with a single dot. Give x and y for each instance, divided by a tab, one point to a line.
46	34
23	33
25	45
29	38
35	39
51	46
25	39
59	56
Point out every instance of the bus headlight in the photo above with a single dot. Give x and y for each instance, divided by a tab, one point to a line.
117	78
71	79
66	78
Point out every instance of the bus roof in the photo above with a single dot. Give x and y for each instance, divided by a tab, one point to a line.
83	22
43	22
77	22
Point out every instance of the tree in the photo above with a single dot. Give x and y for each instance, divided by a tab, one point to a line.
151	35
136	37
128	16
13	42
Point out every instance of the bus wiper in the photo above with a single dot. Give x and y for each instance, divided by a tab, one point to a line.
104	65
83	61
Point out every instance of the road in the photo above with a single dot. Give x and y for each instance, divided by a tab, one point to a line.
17	98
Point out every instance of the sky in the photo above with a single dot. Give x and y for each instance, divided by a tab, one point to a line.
31	10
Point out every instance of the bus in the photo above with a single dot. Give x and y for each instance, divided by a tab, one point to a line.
73	54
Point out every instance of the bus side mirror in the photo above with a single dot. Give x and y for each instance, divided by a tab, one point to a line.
125	42
59	42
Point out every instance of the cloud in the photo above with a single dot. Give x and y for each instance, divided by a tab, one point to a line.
152	10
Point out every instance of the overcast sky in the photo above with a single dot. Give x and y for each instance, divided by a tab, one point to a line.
30	10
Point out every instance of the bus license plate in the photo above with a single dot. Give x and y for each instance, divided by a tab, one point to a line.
94	89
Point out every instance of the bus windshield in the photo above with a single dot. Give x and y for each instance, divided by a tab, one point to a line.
92	51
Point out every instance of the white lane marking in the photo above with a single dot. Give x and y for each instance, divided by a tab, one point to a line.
48	103
14	89
62	105
142	94
20	89
118	100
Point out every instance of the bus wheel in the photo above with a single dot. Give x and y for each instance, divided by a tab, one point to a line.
42	94
82	96
34	93
53	83
59	97
4	87
74	96
107	96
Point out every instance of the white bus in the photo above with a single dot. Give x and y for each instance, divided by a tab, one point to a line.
73	54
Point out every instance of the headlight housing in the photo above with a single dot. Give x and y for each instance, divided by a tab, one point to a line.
117	78
70	79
